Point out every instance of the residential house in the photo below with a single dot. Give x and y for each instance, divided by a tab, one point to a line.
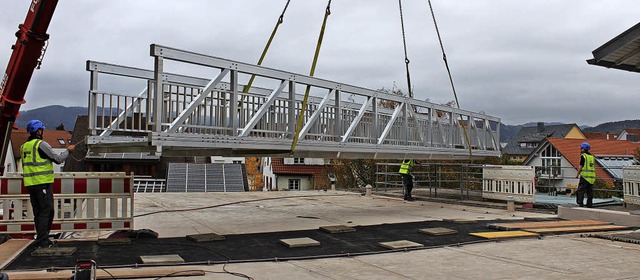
630	134
601	135
58	139
295	173
558	160
528	138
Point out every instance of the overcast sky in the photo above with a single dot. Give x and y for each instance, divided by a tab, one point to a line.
520	60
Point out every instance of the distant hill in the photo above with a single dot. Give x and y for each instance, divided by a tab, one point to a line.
52	116
614	127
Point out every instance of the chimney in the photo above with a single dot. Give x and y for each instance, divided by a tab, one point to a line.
540	127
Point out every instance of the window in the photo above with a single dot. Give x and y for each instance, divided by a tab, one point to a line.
294	184
298	161
61	141
237	162
551	159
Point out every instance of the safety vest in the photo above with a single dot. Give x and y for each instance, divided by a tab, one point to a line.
406	166
589	169
35	169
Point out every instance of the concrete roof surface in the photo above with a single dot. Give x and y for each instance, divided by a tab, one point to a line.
551	257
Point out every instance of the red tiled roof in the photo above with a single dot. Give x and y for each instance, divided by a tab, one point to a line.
570	149
18	137
278	167
595	135
633	131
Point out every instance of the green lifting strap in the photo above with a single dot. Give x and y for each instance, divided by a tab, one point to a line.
446	64
247	87
313	70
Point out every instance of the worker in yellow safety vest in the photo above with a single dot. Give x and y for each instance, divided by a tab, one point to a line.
587	175
37	171
407	178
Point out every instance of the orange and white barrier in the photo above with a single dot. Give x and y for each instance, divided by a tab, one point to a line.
503	181
631	184
82	202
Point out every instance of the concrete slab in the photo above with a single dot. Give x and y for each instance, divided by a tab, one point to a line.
337	229
299	242
53	252
554	257
615	217
400	244
205	237
161	259
438	231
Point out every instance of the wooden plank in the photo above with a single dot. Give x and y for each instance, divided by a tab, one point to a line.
503	234
550	224
11	249
578	229
117	273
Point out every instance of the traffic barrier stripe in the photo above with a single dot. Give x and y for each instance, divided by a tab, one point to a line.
83	201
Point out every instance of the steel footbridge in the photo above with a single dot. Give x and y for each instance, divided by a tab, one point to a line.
208	110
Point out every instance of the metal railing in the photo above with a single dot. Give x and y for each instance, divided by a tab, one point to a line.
185	114
149	185
465	181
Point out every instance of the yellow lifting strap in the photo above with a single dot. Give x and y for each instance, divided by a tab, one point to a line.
446	64
313	70
247	87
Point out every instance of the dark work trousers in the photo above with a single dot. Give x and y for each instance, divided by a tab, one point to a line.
42	201
584	187
407	183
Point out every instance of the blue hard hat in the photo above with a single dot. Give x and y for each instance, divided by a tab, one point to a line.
34	125
585	146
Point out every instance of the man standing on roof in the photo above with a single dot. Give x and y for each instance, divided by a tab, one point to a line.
587	175
37	167
407	178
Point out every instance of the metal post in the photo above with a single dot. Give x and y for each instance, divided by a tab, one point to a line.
93	106
159	92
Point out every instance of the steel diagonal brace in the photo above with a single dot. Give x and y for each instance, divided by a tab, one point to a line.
315	115
184	115
355	122
387	128
413	115
121	117
263	109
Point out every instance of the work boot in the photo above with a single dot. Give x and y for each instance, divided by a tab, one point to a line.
48	243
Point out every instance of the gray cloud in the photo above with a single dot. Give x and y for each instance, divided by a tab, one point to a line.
518	60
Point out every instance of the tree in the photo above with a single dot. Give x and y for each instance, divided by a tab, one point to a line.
353	173
388	104
255	176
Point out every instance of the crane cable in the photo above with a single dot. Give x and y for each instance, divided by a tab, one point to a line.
446	64
247	87
404	43
311	73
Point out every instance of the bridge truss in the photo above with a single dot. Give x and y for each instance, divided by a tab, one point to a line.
187	115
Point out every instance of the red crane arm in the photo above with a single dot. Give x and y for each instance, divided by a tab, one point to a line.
32	35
